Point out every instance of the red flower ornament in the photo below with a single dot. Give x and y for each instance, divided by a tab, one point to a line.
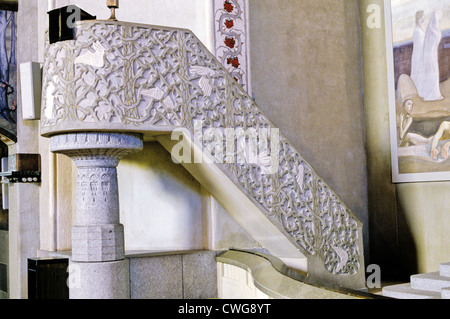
228	6
230	42
234	62
229	24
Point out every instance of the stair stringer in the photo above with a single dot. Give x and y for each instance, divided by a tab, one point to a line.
237	203
125	77
248	212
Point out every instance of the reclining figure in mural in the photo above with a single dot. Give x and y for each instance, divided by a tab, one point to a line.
431	144
443	134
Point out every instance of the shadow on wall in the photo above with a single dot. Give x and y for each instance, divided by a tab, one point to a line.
407	249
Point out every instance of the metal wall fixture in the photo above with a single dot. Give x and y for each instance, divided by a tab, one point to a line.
21	168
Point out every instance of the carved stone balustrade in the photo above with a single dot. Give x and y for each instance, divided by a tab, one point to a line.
122	77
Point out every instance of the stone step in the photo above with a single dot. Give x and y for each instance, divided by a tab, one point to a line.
445	293
444	269
404	291
430	282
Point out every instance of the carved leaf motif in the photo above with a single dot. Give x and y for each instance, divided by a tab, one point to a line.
300	176
49	101
95	59
343	258
169	103
103	111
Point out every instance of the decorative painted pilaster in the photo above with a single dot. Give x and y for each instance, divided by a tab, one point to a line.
231	39
98	236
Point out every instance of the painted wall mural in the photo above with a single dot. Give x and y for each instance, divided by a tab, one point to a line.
8	74
231	39
420	114
8	90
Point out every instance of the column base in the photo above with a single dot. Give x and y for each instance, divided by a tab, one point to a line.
103	280
97	243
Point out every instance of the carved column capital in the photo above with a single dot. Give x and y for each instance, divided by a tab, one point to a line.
105	149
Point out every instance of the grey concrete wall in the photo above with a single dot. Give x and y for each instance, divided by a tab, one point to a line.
382	199
190	275
306	75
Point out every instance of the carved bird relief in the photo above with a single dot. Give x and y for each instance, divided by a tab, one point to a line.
157	94
205	82
343	257
95	59
261	158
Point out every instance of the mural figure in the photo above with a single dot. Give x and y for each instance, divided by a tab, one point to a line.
417	55
7	67
421	55
428	82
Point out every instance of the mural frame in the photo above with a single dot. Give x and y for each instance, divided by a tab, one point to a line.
412	133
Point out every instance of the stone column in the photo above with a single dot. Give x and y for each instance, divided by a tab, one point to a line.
98	263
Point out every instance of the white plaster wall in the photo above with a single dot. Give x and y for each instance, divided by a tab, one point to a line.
220	230
194	15
160	202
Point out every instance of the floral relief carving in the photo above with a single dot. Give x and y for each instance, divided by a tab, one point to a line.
165	79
